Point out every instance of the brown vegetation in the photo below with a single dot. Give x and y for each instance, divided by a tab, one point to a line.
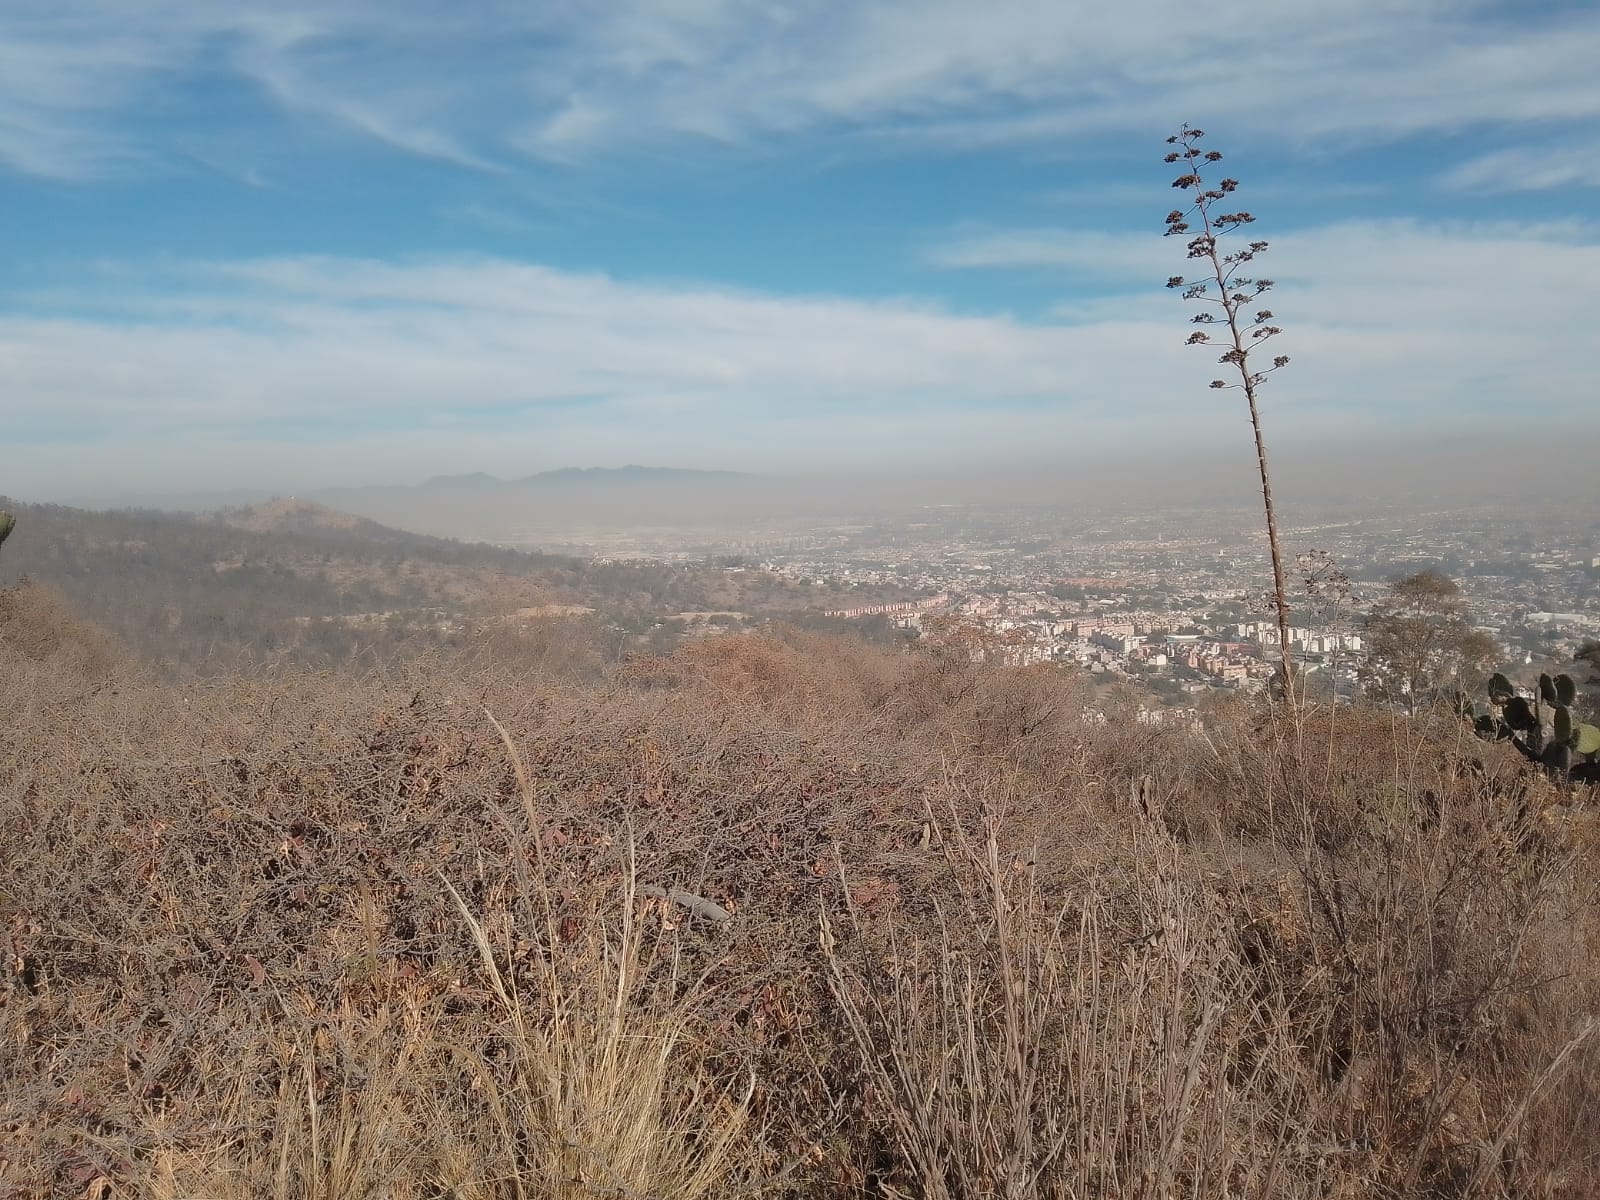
286	582
306	934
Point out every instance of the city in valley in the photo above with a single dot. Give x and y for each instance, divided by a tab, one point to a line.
1175	599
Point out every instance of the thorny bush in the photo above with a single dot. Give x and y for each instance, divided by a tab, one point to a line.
270	935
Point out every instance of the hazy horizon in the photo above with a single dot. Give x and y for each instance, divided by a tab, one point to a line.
1310	482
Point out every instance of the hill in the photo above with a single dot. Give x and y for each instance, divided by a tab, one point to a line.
281	577
290	515
298	579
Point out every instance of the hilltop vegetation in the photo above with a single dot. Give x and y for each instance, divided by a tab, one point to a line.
776	914
307	584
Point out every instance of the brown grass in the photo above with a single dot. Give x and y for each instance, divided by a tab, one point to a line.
316	935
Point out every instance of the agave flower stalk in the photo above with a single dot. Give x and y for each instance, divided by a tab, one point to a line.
1229	296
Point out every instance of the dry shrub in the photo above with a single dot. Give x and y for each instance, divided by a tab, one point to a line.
554	646
350	1117
1435	913
1349	955
1106	1044
791	673
45	647
609	1093
594	1089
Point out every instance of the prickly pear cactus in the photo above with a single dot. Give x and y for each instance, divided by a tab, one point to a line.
1547	689
1541	727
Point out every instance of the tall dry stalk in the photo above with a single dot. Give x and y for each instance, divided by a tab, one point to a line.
1235	295
606	1094
1030	1048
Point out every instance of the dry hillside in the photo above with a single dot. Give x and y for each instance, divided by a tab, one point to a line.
291	581
774	915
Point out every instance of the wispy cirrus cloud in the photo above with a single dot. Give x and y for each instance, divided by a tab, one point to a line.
1566	164
1079	252
484	84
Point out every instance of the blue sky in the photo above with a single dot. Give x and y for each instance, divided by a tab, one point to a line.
287	243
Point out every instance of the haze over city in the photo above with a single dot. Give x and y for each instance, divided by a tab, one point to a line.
281	246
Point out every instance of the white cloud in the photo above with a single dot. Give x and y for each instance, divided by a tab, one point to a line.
1529	169
490	364
1389	321
1077	254
461	364
476	84
315	339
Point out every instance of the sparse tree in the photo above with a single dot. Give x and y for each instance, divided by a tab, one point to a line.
1421	646
1587	660
1327	607
1588	655
1230	296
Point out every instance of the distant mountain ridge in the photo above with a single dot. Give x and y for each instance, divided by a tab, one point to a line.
588	476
